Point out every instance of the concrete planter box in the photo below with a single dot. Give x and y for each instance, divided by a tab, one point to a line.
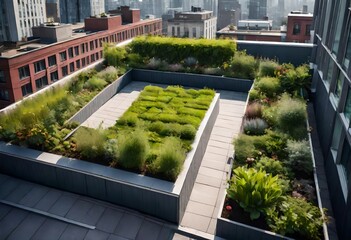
234	230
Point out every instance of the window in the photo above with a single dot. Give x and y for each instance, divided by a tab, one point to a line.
308	30
96	56
92	57
329	71
178	31
336	137
52	60
63	56
186	32
296	29
345	161
26	89
339	23
347	109
338	87
76	50
70	53
194	32
348	51
54	76
82	48
24	72
71	67
2	77
39	66
173	31
4	95
83	62
91	45
64	71
41	82
78	64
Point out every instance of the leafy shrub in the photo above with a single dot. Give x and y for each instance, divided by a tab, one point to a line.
255	126
170	159
243	66
268	86
304	189
296	217
299	158
90	143
135	60
176	67
253	110
291	117
175	50
95	83
154	63
188	132
293	79
269	114
109	74
254	191
267	68
133	149
270	144
254	95
113	55
270	165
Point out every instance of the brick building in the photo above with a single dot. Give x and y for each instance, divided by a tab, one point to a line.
299	27
61	49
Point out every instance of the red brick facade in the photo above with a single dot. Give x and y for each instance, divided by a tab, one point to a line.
79	52
103	23
298	29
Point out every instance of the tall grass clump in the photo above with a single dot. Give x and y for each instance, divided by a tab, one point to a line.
255	126
291	117
133	149
269	86
90	143
95	83
109	74
113	55
267	68
243	66
253	110
170	159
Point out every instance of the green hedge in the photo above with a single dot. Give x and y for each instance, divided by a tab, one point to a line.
174	50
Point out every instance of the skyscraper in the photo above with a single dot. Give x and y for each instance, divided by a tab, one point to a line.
77	10
331	86
257	9
229	12
18	17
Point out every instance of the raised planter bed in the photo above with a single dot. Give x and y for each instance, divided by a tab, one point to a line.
159	198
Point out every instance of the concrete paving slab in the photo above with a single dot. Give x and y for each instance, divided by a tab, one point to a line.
195	221
129	226
200	209
218	144
218	165
79	210
149	231
62	206
212	227
4	210
48	200
221	139
96	235
180	237
208	180
34	196
204	194
11	221
50	229
210	172
27	228
216	150
74	233
109	220
115	237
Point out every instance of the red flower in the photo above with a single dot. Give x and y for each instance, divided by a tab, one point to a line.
228	208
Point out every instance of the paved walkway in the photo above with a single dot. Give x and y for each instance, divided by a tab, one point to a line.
209	189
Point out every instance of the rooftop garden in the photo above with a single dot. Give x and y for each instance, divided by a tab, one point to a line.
272	185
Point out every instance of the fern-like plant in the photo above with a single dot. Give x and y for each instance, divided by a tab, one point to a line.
254	190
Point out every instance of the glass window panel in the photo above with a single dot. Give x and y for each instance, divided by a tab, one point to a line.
339	24
336	136
345	160
348	51
338	86
347	109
